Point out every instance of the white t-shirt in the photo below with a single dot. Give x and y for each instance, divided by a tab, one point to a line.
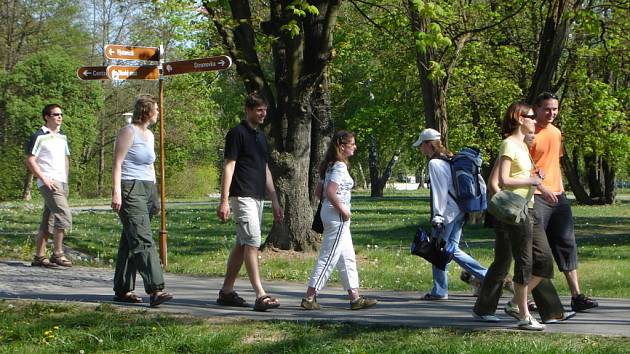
50	150
338	173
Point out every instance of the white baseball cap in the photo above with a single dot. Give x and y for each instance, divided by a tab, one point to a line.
427	135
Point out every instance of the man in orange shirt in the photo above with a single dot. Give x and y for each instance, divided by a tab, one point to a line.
551	203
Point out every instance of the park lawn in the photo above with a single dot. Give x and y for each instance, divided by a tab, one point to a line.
42	327
382	230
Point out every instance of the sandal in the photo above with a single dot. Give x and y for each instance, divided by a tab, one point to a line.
129	297
265	303
42	261
60	260
231	299
160	298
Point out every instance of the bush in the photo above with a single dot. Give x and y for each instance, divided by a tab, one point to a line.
193	181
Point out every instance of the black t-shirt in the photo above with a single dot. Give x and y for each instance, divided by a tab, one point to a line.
248	147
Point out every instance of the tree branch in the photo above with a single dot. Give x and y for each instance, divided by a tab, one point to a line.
362	13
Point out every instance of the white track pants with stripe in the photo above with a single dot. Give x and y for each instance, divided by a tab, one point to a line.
336	251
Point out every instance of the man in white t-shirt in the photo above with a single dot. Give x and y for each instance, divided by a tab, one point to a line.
47	157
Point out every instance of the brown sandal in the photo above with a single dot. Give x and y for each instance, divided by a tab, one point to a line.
231	299
160	298
265	303
42	261
129	297
60	260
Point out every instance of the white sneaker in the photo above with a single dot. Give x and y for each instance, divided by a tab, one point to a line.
530	324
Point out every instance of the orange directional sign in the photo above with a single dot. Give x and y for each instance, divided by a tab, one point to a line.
195	65
92	73
116	51
129	72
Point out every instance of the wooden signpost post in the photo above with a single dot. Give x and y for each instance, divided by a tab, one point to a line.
151	72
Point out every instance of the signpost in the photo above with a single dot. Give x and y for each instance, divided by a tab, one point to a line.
129	72
151	72
127	52
92	73
221	62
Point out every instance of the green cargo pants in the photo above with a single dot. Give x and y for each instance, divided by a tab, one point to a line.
136	249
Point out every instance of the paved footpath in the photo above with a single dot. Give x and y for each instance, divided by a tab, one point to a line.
196	296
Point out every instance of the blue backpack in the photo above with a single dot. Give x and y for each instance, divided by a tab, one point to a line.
470	188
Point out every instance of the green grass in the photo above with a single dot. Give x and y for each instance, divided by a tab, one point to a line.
32	327
382	230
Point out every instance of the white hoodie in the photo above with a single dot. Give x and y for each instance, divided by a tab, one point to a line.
444	207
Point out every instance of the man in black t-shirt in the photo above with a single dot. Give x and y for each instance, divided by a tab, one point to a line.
246	179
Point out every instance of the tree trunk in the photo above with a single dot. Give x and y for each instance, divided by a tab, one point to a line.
609	182
27	191
592	173
433	91
376	185
300	97
291	172
574	181
322	128
362	174
378	182
552	41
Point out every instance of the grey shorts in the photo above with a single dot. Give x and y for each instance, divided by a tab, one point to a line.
56	214
557	221
247	213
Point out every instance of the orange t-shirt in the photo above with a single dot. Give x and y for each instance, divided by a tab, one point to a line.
546	152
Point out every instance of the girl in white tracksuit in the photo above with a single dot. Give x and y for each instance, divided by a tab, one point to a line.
336	249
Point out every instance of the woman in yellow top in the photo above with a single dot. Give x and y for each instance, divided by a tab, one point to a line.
515	169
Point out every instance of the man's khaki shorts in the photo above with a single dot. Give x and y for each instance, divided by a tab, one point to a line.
56	214
247	213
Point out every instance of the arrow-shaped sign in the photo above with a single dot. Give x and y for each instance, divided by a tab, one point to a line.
130	72
92	73
220	62
117	51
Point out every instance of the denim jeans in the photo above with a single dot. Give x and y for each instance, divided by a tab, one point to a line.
452	233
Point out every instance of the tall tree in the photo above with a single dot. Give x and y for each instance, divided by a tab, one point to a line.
301	51
441	30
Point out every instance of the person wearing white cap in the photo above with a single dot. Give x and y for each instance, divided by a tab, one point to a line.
446	217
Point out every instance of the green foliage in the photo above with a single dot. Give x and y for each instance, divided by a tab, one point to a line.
374	88
195	180
301	8
297	9
292	28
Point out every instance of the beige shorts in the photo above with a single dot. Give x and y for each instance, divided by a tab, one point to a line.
247	213
56	214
